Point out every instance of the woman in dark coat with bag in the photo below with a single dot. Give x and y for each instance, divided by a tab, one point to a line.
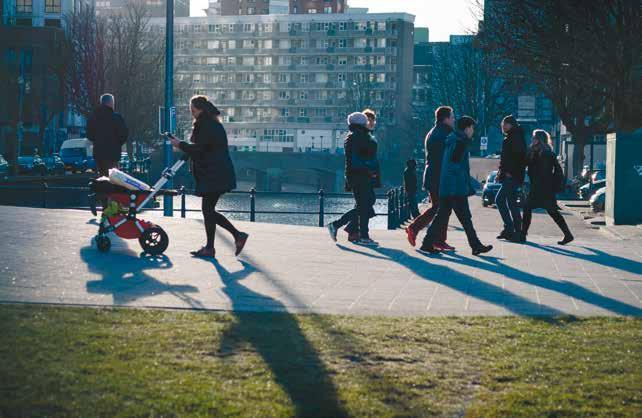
212	169
546	181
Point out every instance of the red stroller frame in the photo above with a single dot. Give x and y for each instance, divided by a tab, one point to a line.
152	238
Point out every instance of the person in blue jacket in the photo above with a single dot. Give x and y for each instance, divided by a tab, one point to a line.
455	188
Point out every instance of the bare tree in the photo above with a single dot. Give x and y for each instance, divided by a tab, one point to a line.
584	56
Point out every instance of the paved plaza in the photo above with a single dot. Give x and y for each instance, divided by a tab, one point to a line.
47	257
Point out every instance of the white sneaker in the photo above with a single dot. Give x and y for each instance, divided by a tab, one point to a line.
367	242
332	230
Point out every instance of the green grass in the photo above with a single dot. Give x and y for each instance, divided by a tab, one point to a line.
114	362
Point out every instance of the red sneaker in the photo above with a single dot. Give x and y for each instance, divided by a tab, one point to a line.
446	246
412	236
438	246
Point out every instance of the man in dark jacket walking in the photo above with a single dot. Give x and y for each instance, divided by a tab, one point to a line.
434	146
410	186
512	165
455	188
361	171
108	132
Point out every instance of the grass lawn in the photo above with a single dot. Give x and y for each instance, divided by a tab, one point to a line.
118	362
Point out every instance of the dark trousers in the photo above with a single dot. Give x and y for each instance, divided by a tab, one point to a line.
412	204
553	212
213	218
506	202
103	166
459	204
424	219
357	218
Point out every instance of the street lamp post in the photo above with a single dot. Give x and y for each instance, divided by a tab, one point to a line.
168	201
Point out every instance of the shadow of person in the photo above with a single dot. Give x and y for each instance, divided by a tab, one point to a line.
595	256
461	282
281	343
123	276
562	287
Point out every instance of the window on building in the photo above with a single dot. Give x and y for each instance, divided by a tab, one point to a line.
284	95
312	11
381	60
285	112
381	43
321	77
303	95
52	6
327	9
213	60
343	61
231	44
213	44
284	78
343	25
24	6
381	26
303	112
231	60
304	78
249	43
342	77
343	43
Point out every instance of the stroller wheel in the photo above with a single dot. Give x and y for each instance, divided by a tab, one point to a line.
103	243
154	240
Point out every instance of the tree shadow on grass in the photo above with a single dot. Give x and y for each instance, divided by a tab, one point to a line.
279	340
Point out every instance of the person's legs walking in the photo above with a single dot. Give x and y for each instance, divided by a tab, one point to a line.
561	223
462	211
506	201
208	204
423	220
412	204
441	218
526	220
212	218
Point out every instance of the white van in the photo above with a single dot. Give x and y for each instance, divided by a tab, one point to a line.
77	154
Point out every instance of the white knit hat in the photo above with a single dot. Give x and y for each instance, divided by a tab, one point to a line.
357	118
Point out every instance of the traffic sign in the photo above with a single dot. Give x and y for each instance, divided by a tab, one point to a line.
483	143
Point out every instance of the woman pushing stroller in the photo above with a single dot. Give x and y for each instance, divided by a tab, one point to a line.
212	169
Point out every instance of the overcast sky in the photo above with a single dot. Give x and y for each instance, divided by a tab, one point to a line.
442	17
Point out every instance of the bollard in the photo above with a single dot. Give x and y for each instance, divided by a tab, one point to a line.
252	204
321	207
391	209
183	208
44	194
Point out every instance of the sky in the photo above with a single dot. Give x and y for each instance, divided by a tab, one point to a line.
443	18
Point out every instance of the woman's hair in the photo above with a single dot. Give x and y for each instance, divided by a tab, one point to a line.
544	138
203	104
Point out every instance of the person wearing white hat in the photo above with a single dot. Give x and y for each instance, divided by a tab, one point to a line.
361	171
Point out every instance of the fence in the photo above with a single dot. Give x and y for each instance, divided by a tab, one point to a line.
398	210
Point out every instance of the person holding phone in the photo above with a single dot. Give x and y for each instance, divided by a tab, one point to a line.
213	170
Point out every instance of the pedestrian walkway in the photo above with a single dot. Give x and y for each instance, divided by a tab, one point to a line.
47	256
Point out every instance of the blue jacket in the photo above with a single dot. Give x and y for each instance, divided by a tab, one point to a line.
455	167
434	146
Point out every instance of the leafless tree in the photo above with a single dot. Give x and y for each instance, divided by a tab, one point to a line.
585	56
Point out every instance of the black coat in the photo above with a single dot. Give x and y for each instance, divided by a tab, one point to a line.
410	180
108	132
360	146
513	157
434	145
211	162
541	170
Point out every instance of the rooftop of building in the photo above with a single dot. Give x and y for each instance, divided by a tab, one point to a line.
290	18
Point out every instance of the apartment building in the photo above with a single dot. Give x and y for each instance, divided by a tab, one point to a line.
264	7
286	82
156	8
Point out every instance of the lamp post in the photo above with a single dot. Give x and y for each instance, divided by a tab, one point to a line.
168	201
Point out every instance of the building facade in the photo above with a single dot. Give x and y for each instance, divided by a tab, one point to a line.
264	7
285	83
156	8
32	107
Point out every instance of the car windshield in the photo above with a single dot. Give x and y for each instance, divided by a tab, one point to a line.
72	152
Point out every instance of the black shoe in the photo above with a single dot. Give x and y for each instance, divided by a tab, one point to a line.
505	234
482	249
518	238
428	249
567	238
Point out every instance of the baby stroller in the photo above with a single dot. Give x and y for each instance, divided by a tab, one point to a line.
125	197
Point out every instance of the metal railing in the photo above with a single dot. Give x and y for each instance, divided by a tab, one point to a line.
397	209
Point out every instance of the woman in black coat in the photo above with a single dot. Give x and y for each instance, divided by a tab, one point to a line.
543	170
212	169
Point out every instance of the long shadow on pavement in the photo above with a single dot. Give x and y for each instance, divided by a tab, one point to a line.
124	277
463	283
281	343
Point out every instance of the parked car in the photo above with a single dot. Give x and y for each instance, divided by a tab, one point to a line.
598	200
31	165
585	192
75	152
491	187
54	165
4	166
